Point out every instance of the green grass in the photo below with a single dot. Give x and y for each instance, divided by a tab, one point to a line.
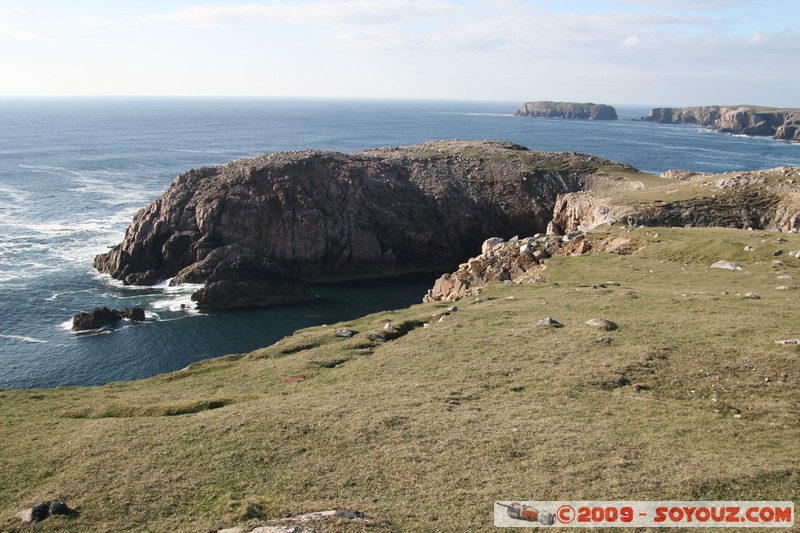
425	430
535	161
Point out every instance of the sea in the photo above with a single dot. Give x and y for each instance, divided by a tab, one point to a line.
74	171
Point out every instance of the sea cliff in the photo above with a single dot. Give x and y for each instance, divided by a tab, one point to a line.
259	231
746	120
568	110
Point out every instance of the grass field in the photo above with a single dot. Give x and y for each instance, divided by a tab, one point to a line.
691	398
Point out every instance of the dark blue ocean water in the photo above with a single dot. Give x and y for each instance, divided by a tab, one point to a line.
74	171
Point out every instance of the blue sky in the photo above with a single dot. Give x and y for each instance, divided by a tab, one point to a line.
650	52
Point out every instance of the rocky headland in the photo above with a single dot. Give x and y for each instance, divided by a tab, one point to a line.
764	200
759	199
778	123
258	231
568	110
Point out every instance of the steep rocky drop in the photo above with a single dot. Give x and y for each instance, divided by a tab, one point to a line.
258	231
746	120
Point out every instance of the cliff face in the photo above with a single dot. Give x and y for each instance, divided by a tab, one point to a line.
762	199
568	110
747	120
257	231
582	211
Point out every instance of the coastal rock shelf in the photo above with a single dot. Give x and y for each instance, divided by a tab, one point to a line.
568	110
746	120
758	199
258	231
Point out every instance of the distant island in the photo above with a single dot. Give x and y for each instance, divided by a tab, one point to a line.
744	119
568	110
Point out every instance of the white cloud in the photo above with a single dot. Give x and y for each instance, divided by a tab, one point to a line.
630	41
322	13
756	39
92	21
12	29
422	48
683	4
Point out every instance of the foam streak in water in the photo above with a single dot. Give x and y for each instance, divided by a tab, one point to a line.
22	338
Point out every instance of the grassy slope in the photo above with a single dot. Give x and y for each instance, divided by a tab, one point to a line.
425	431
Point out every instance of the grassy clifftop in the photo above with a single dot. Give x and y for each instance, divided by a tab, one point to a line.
422	428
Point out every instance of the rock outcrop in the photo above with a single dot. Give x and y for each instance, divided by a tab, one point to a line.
568	110
45	510
583	211
746	120
760	199
258	231
103	316
516	260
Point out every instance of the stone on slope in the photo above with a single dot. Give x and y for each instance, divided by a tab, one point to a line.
726	265
602	323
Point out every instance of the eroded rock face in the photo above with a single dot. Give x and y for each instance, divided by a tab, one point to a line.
761	199
281	221
583	212
747	120
517	260
568	110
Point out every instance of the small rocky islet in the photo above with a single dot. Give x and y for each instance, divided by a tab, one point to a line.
567	110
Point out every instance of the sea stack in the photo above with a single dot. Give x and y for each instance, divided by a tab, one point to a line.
568	110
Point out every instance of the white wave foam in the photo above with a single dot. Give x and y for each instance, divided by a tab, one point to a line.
22	338
182	288
171	298
48	169
119	187
206	151
92	332
25	270
104	330
5	277
15	196
56	295
182	303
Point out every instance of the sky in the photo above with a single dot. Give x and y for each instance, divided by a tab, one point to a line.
640	52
